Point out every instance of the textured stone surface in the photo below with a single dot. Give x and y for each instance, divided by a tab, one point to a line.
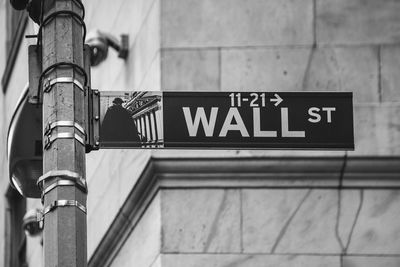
201	221
152	78
369	261
213	260
297	69
377	230
112	173
314	228
303	221
376	129
143	245
209	23
344	69
265	214
358	21
157	262
263	69
390	69
189	70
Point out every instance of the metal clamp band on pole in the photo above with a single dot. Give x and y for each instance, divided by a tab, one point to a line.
61	64
61	203
67	178
48	84
80	185
49	128
51	138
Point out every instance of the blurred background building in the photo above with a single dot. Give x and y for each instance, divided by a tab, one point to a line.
153	208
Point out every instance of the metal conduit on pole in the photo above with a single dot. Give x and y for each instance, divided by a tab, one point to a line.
61	39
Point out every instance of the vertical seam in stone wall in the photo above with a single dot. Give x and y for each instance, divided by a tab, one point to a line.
162	55
140	84
308	67
215	223
314	22
220	69
313	48
380	73
355	219
241	219
161	31
339	204
286	226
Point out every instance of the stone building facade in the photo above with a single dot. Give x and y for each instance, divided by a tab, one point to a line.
153	208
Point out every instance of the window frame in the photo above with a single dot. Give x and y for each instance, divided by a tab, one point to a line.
15	238
16	23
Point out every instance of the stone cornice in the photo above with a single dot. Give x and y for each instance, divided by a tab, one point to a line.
266	172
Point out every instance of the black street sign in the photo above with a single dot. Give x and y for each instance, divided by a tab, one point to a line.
227	120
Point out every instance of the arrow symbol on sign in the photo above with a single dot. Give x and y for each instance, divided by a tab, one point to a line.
277	100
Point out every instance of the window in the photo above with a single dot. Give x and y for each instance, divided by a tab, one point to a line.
15	240
14	19
15	28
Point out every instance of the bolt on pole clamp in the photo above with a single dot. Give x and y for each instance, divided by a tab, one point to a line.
48	83
60	203
66	178
51	138
50	126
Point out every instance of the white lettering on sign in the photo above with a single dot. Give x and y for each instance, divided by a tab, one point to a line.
314	112
285	125
234	122
200	116
233	113
328	113
316	117
257	126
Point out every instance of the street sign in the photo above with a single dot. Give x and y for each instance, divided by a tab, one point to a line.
227	120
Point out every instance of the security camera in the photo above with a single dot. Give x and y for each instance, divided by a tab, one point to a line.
31	224
99	42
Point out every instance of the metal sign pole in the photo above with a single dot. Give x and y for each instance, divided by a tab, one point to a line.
63	81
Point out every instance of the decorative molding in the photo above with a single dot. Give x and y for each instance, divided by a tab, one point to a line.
270	172
13	53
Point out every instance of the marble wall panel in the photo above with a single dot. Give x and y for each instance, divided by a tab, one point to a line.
265	214
390	69
143	245
298	220
208	23
352	69
201	221
370	261
314	227
357	21
111	174
303	69
214	260
263	69
376	130
377	230
190	70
